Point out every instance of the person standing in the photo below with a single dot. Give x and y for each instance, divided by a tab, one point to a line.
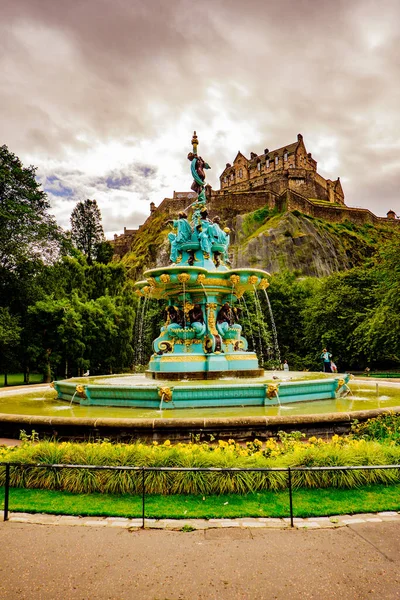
326	359
285	366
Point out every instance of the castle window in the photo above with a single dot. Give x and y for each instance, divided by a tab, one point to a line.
232	176
285	156
276	160
267	163
225	179
240	173
259	166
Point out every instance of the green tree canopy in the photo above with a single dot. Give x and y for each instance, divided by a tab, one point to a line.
10	332
335	315
104	252
379	334
86	228
27	230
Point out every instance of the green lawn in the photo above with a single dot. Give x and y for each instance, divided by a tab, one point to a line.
306	503
385	375
18	379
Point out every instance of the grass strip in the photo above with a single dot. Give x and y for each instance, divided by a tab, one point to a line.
306	503
18	379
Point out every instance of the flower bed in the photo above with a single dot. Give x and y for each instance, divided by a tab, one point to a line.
289	451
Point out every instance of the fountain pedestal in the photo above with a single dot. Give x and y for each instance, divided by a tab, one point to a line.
201	337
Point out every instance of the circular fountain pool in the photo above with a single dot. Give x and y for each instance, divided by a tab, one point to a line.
38	408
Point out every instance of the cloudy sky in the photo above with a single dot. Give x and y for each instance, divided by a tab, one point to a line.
103	95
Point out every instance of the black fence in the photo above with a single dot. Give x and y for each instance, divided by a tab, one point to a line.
144	470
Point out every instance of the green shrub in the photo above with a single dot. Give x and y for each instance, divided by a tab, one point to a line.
290	451
385	427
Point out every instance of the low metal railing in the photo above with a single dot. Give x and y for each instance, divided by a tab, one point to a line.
144	470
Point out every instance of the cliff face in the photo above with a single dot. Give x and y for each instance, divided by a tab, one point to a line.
300	243
273	242
150	247
290	242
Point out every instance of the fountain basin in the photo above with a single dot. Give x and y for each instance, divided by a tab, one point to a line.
100	392
38	409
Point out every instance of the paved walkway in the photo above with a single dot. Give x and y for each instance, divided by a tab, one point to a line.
358	561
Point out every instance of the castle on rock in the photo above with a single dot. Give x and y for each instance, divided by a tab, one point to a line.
285	179
288	168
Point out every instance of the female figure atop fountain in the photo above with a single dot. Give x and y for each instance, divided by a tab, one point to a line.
197	166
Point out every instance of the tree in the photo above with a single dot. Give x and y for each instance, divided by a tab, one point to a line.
288	296
104	252
335	314
84	320
9	337
27	230
86	228
379	334
30	240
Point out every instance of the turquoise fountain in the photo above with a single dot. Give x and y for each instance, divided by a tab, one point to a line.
202	337
201	340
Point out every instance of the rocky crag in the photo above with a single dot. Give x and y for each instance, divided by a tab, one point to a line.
273	241
282	215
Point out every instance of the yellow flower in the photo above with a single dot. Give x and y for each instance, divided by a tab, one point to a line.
167	443
312	440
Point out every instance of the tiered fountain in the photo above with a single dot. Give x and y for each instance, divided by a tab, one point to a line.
201	338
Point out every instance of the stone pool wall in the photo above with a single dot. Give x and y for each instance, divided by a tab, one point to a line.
183	430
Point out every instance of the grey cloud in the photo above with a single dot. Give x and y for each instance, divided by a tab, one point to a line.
111	221
99	71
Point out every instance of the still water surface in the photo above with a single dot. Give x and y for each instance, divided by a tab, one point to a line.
42	401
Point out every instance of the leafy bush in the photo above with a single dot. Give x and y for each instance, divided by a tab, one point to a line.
385	427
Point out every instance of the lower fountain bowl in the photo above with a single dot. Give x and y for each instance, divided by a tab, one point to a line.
182	394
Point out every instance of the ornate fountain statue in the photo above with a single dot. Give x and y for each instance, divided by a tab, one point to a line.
201	336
